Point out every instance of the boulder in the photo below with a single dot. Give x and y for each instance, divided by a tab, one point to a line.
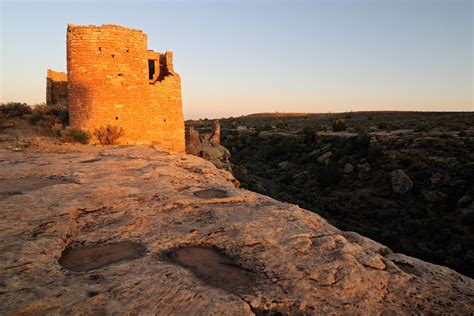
363	167
348	168
325	157
314	152
401	182
208	146
464	201
440	178
265	134
434	196
326	147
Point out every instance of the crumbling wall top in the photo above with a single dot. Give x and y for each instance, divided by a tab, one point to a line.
56	75
71	26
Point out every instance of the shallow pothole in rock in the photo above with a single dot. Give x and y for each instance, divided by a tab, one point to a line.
87	258
215	268
91	160
9	187
407	268
211	194
4	195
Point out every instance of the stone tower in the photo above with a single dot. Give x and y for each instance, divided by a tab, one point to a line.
114	79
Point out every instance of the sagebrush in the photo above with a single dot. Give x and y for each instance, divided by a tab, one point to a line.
109	135
15	109
75	135
50	115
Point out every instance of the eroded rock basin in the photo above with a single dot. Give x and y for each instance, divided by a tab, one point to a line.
215	268
17	186
211	194
87	258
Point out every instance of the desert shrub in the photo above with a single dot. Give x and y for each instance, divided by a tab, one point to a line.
382	125
108	135
15	109
406	161
234	123
423	127
348	115
261	128
309	134
339	125
61	113
5	123
39	114
375	152
328	175
362	141
57	129
50	114
287	179
283	150
76	135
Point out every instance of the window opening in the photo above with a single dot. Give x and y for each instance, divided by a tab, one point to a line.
151	68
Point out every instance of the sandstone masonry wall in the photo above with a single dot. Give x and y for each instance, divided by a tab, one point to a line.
114	79
56	88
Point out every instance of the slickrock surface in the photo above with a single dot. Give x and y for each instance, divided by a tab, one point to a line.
99	230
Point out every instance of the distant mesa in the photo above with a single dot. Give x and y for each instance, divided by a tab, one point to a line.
114	79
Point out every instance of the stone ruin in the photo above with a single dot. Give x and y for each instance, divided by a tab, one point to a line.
114	79
56	88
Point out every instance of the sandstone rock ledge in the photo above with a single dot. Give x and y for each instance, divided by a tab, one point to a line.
135	230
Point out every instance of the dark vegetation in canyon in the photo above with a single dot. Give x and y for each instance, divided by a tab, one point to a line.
405	179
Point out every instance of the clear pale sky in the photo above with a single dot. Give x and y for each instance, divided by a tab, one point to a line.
241	57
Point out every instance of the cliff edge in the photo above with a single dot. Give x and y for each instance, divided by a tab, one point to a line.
94	230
